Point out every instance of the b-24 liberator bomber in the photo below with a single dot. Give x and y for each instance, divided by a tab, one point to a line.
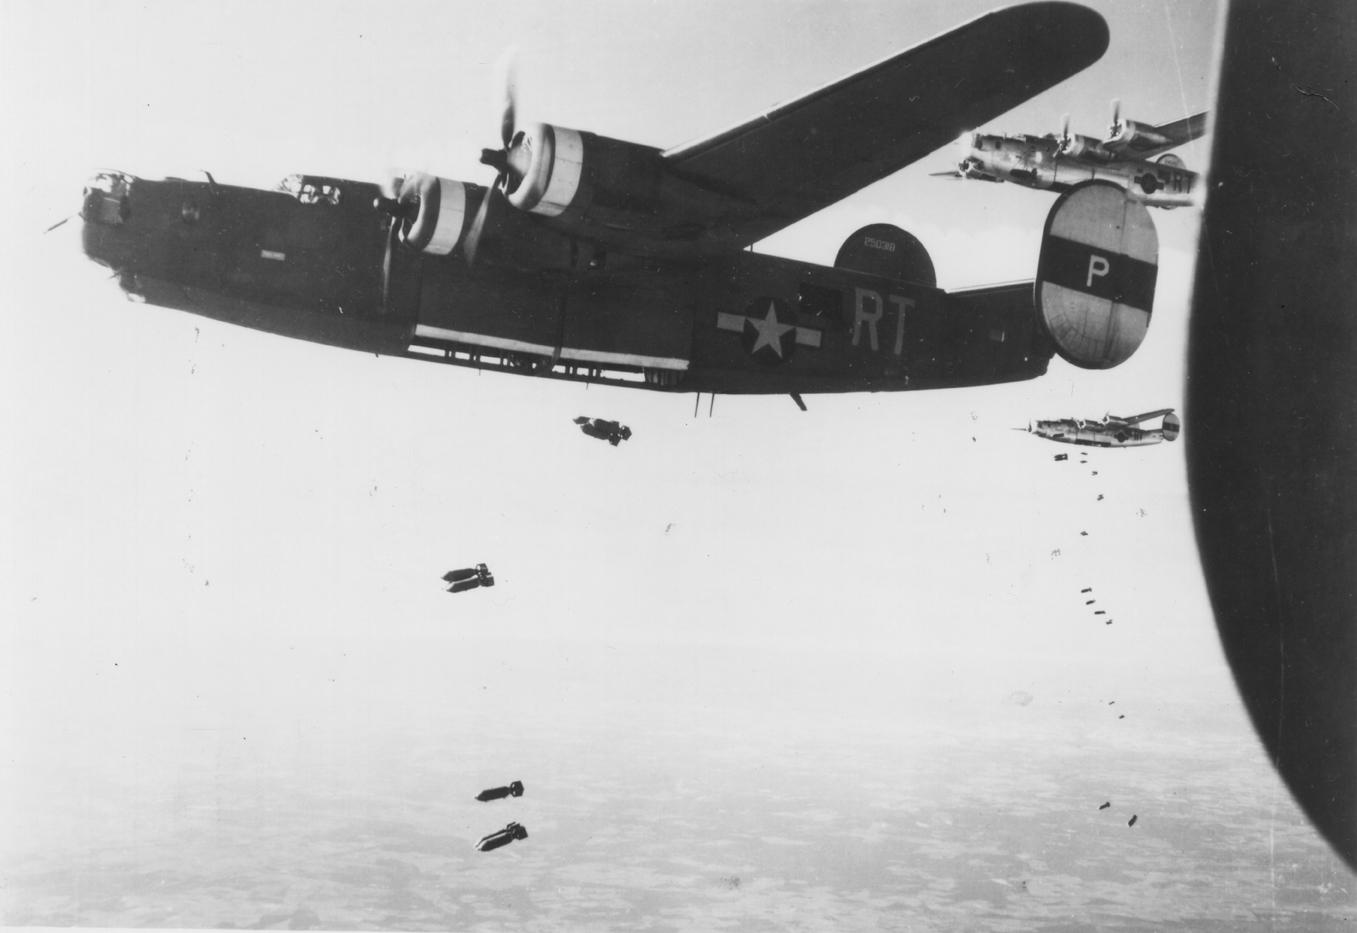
1127	157
1112	431
599	260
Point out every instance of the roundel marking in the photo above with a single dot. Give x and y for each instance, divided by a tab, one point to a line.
769	334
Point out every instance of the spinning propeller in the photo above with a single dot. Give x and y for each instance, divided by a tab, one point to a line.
402	196
1115	129
1064	140
511	161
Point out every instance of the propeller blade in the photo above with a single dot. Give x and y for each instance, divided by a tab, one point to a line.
1116	118
473	237
1063	141
57	224
506	81
952	174
393	178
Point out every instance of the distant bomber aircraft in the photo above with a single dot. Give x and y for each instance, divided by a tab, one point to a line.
514	789
1112	432
469	578
1056	163
609	431
502	837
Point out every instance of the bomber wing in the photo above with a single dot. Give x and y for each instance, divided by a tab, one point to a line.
1184	130
1136	419
805	154
1176	132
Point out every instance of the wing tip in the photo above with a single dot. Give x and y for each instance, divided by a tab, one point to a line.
1081	29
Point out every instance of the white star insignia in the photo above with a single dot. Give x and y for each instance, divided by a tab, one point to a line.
770	331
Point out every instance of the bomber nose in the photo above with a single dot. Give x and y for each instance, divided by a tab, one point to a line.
105	199
105	210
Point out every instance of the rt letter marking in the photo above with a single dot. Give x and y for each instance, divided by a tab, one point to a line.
901	303
860	314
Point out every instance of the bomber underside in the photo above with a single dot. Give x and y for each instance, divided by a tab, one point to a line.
333	270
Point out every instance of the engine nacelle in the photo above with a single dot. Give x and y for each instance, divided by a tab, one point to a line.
433	213
586	179
550	179
1096	275
1136	137
1082	147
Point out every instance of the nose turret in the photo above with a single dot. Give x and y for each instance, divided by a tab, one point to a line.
147	227
978	161
106	209
106	196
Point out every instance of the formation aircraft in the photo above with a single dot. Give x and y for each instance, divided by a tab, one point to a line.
1112	431
600	260
1272	394
1127	157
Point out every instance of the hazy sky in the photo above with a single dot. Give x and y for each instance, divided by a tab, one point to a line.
216	531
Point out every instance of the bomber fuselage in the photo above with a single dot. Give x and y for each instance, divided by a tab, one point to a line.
319	260
1040	162
1098	433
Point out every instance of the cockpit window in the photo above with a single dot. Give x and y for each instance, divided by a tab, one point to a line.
309	190
114	183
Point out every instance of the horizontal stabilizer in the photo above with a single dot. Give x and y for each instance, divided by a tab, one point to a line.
1136	419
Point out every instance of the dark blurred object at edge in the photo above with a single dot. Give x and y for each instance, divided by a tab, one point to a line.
1272	392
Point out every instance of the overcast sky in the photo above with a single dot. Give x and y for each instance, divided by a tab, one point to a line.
233	517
